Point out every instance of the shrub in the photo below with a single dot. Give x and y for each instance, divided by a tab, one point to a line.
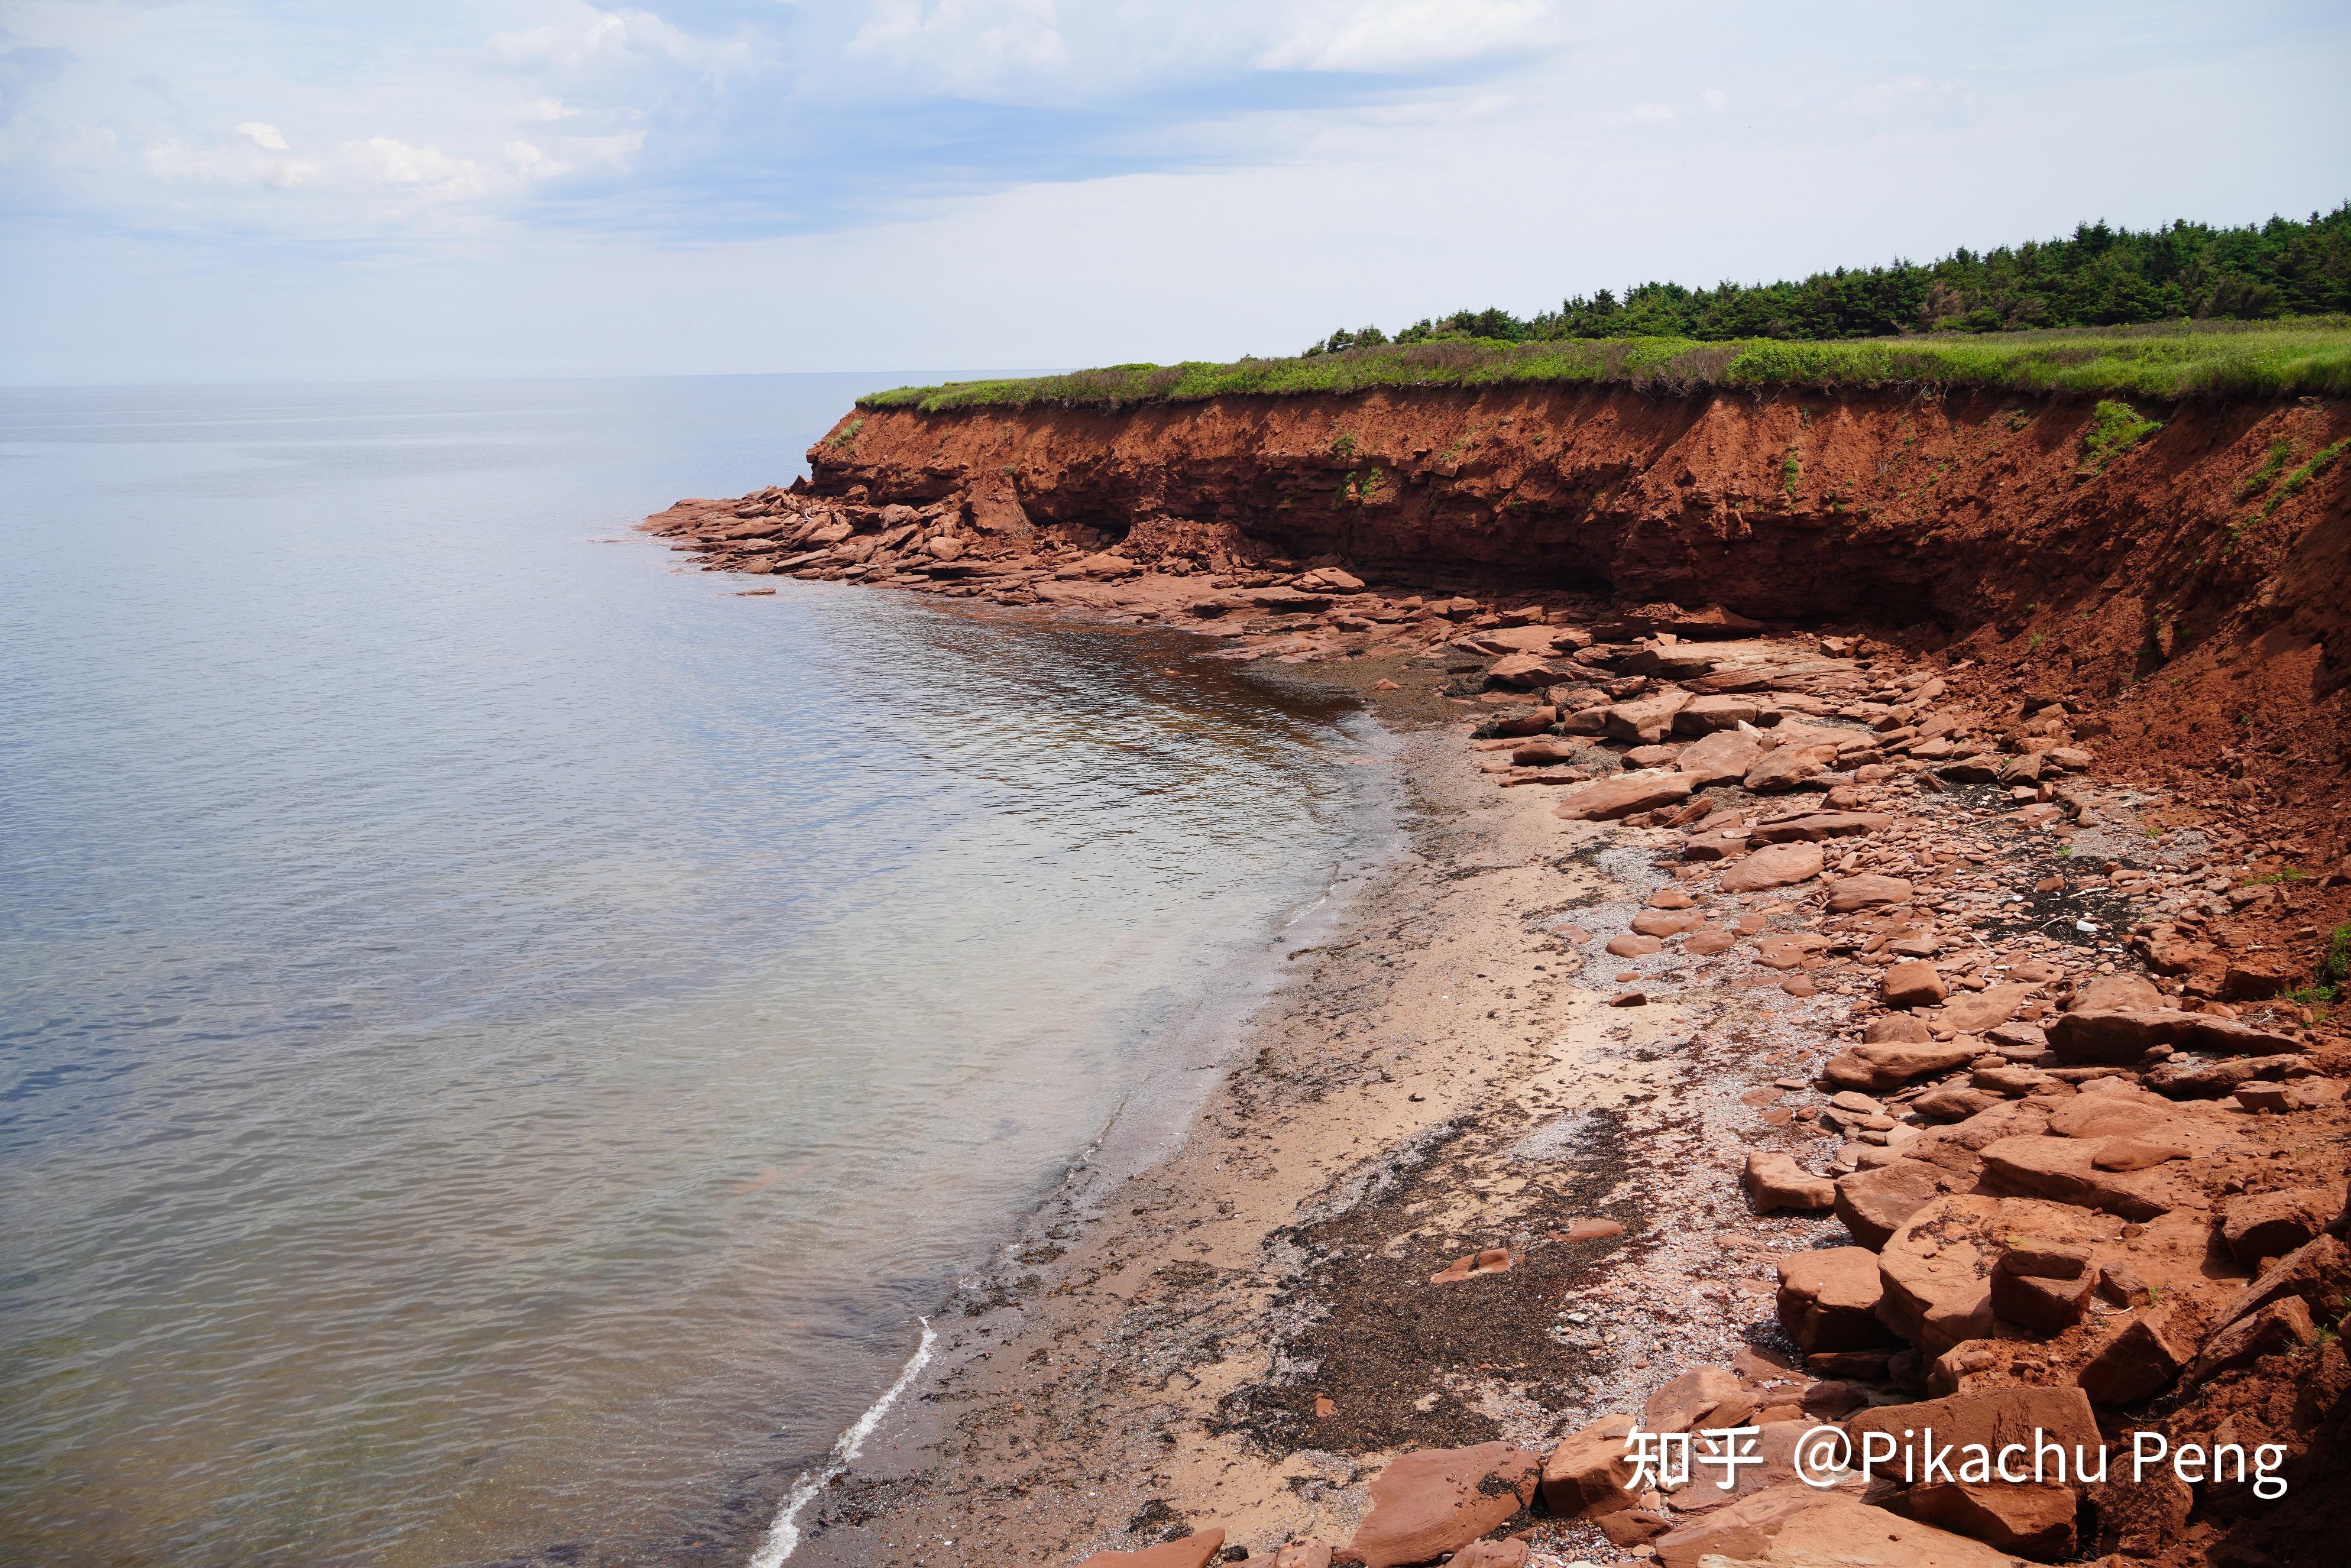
2114	429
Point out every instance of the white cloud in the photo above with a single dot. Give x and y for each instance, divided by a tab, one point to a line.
545	110
963	45
1651	113
1400	34
1715	102
596	41
239	162
263	135
427	170
530	163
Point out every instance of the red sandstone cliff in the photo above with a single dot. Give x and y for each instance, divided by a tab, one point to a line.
2213	614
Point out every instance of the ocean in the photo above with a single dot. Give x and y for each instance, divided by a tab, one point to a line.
502	1039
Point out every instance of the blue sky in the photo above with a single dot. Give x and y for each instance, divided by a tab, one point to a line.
195	190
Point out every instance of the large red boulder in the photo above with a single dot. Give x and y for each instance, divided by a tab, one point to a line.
1435	1500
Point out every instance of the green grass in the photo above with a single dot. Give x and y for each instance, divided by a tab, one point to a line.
2281	452
2114	429
2312	357
2294	482
2334	958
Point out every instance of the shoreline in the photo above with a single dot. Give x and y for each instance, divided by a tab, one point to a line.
1407	1221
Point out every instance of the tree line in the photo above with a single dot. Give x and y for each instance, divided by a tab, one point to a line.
2099	276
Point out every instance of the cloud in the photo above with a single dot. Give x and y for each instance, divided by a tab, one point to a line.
427	170
595	41
543	110
241	161
1407	35
963	45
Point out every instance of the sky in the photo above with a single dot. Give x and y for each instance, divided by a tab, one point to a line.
241	190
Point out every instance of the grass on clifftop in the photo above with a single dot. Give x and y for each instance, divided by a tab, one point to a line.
2213	360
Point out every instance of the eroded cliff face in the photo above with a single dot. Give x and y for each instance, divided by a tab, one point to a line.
1971	517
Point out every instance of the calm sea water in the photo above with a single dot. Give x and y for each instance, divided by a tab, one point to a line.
499	1040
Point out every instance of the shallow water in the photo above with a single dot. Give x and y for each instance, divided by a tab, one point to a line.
499	1039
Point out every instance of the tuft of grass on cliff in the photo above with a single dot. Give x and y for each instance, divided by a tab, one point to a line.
2312	357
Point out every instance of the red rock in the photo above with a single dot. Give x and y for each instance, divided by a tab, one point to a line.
2044	1289
1800	1526
2251	979
1896	1028
1493	1260
1912	985
2138	1153
1778	865
2116	993
2121	1038
2140	1517
1814	828
1976	1012
1788	952
1296	601
1590	1472
1545	750
1685	1403
1624	795
1524	670
1589	1230
1995	1417
2031	1521
1775	1181
1435	1500
1894	1063
1934	1295
2096	1117
1873	1203
1509	1552
1710	621
2064	1171
2283	1326
1775	1444
1982	768
2188	1078
1726	754
1193	1550
2272	1224
2137	1362
1667	921
1710	940
1648	719
2318	1269
1953	1104
1629	1000
1634	1526
1852	893
1706	715
1785	768
1827	1300
1630	944
1524	722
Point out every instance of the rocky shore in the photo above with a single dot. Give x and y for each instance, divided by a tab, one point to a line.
1773	1029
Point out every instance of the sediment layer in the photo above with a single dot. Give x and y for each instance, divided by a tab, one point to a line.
1856	966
